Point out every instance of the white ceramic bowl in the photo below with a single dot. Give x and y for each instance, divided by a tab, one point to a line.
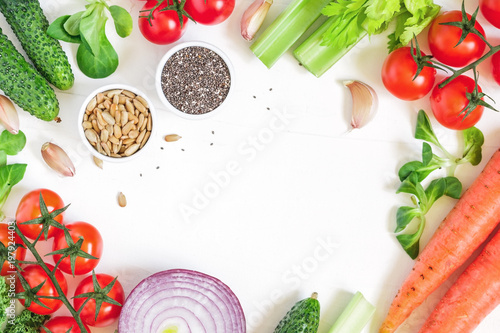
90	147
158	82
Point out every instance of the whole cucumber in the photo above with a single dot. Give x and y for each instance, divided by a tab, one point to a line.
30	26
24	85
303	317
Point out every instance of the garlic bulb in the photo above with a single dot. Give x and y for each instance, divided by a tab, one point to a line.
364	102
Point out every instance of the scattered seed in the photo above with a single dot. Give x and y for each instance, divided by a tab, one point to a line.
98	162
172	137
122	200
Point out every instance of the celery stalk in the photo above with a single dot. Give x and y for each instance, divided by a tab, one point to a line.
286	29
316	57
355	316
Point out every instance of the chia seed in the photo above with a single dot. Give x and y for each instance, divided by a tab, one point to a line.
195	80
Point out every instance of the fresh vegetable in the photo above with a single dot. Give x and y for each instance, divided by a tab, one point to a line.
181	300
29	209
163	21
85	248
351	20
413	173
10	174
253	17
459	104
24	85
495	66
303	317
355	316
400	77
491	11
96	57
472	297
209	12
26	322
106	298
29	23
451	44
62	324
8	115
10	247
57	159
286	29
364	102
34	279
316	56
466	227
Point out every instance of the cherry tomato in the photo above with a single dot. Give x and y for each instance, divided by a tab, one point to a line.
62	324
495	66
491	11
448	102
9	238
29	209
92	244
443	41
398	71
108	312
165	27
209	12
35	275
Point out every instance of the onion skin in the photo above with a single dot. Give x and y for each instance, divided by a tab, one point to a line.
197	300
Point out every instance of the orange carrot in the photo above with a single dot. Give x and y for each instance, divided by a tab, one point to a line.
466	227
472	297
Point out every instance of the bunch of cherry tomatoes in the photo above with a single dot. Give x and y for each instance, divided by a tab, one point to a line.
449	101
29	209
165	21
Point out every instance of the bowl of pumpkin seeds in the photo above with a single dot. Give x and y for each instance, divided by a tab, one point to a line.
116	122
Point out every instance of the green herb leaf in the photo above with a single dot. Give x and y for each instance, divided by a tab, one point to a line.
424	129
98	67
3	158
434	191
10	175
72	23
453	187
411	185
56	30
379	13
418	168
346	29
91	29
473	141
410	242
12	144
122	19
405	215
426	153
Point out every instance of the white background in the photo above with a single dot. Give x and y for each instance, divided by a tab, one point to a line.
311	206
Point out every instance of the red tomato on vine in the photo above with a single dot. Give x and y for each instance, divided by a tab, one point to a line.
491	11
448	104
29	209
92	244
209	12
34	276
62	324
398	75
443	40
162	22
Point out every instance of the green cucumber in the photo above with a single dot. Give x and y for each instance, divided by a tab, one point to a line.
24	85
303	317
30	26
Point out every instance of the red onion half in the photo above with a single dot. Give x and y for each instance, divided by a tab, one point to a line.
181	301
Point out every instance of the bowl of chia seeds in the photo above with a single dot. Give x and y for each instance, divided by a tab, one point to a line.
193	80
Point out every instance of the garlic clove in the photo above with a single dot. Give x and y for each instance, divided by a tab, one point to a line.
364	102
8	115
253	17
57	159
